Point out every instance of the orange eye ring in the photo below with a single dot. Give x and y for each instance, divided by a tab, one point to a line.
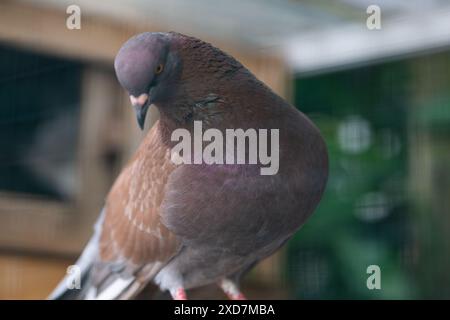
159	68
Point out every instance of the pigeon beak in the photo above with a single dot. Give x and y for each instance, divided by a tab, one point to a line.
141	112
140	105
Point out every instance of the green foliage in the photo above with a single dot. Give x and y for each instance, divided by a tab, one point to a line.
328	258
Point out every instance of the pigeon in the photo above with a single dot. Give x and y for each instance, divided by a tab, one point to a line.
186	225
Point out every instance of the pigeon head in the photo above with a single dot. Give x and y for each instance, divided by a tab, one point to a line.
147	67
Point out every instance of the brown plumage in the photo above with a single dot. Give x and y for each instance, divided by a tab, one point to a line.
189	225
132	226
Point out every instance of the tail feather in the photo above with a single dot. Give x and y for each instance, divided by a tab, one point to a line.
84	263
103	281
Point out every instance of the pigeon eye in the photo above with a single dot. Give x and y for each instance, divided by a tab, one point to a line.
159	68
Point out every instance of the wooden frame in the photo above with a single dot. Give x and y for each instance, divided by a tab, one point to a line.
37	224
34	223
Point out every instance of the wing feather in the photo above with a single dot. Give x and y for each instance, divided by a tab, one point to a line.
132	232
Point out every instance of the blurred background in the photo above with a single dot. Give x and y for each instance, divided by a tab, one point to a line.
380	93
